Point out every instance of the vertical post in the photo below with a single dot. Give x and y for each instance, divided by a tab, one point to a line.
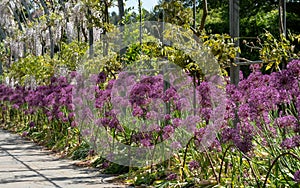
140	17
234	28
166	78
105	20
282	24
47	13
194	14
121	15
91	35
2	37
282	17
163	27
1	72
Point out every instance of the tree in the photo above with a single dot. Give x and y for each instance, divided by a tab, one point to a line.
121	10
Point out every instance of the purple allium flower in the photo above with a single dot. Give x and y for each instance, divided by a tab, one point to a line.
146	142
71	107
139	94
255	67
74	124
110	84
244	145
24	134
71	115
205	113
234	93
114	122
288	143
245	128
297	128
15	106
105	165
101	77
176	122
193	165
244	111
297	176
198	135
170	94
168	129
137	111
241	75
286	121
191	122
73	74
60	115
229	134
172	176
296	140
31	124
53	80
294	67
167	117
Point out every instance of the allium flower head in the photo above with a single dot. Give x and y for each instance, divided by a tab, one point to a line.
294	67
286	121
172	176
101	77
193	165
146	142
297	176
288	143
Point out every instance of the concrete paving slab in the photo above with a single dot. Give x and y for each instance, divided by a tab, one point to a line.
23	164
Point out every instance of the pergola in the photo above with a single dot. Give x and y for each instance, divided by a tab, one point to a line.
234	31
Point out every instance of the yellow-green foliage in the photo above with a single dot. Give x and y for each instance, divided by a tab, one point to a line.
274	51
71	54
222	47
40	67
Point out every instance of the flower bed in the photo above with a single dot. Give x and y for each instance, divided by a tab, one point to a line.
257	144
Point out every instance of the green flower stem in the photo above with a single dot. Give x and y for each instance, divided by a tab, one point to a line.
223	158
212	166
252	170
274	162
184	157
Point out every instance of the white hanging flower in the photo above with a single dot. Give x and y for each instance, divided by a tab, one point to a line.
77	7
7	80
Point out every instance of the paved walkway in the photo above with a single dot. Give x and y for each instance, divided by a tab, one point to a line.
23	164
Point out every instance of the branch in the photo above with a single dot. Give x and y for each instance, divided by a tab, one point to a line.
252	46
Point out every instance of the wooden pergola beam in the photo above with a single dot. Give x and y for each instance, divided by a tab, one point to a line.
234	30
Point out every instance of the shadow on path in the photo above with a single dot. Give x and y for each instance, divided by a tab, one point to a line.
25	164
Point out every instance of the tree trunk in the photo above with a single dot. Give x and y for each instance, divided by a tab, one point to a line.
282	24
46	11
140	20
205	12
194	14
121	11
282	21
91	36
27	9
121	15
105	20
